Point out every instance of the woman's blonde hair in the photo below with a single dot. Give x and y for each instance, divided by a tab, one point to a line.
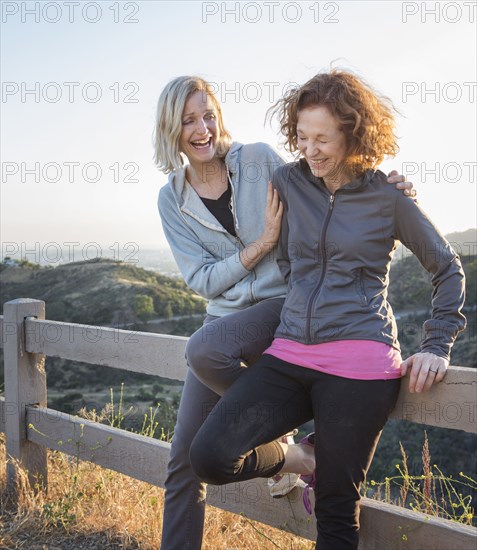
170	107
366	118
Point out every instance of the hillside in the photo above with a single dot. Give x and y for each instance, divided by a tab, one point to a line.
463	242
410	284
104	292
99	292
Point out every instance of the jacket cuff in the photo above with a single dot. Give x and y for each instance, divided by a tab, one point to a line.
235	268
439	337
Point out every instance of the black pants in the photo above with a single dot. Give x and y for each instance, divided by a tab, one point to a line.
237	441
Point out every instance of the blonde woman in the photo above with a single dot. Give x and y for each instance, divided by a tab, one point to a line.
221	218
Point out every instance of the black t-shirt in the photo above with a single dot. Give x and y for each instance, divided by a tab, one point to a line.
220	208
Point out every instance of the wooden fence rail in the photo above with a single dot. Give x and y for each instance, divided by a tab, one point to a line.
31	428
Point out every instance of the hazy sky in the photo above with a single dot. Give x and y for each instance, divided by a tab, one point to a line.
80	81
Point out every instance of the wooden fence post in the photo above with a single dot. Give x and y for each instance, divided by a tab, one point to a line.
25	384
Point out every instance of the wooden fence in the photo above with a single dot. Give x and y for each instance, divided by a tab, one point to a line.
31	428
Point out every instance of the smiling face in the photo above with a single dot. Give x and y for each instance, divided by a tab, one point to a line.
323	145
200	129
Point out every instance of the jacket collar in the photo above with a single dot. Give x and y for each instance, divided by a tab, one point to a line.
189	202
179	185
357	184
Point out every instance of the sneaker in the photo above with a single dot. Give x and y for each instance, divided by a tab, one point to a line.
289	437
308	479
282	484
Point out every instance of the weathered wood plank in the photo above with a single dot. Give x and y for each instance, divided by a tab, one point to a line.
25	384
384	526
140	457
450	404
144	352
144	458
252	499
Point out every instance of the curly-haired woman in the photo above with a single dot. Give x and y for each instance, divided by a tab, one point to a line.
335	357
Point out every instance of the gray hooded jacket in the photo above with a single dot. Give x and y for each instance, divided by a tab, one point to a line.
335	251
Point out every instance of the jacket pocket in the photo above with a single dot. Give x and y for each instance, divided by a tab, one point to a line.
360	288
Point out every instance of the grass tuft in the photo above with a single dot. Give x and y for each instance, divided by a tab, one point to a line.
432	492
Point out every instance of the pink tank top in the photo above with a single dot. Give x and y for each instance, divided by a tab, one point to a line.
358	359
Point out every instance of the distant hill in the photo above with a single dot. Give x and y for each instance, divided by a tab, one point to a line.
410	284
410	292
463	242
99	291
103	291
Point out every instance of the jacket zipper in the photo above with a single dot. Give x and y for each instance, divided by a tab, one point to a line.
323	269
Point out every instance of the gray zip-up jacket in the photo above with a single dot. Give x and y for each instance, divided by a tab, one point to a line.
207	255
335	251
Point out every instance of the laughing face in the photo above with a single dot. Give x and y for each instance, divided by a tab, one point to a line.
200	130
322	144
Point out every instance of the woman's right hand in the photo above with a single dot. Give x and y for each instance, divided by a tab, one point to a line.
273	217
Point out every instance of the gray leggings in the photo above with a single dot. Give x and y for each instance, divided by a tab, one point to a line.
217	354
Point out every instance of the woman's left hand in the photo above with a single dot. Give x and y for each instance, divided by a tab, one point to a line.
401	183
425	369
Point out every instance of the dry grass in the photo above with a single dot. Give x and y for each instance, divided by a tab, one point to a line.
88	507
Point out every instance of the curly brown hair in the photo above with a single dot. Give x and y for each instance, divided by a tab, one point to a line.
366	118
